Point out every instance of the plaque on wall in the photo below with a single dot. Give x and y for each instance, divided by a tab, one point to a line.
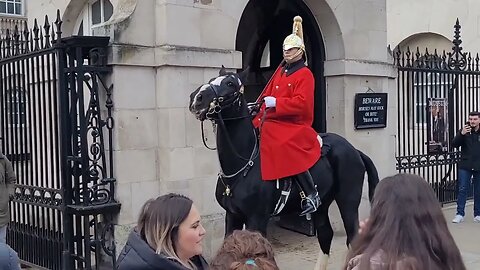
370	110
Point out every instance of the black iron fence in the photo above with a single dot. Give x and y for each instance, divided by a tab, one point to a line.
56	128
436	91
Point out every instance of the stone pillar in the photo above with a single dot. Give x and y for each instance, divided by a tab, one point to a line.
364	65
357	60
158	59
136	134
378	144
189	52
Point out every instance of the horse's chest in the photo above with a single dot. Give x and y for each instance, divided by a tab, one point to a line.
228	203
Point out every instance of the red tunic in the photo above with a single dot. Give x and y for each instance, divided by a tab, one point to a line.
288	143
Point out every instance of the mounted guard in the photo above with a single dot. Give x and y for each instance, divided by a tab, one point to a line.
289	149
289	146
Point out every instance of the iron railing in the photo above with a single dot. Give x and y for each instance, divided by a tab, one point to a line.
58	134
436	91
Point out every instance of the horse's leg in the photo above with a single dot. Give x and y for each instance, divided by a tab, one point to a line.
324	235
258	223
233	222
348	201
349	212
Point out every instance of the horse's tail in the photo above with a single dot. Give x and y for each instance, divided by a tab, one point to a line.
372	174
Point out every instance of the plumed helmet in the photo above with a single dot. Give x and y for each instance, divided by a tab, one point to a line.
295	40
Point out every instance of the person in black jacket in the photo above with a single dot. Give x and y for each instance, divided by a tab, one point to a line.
469	167
168	236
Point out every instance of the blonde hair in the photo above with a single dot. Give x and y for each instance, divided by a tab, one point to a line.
159	221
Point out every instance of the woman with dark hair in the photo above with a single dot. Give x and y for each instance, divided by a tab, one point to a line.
168	236
406	230
244	250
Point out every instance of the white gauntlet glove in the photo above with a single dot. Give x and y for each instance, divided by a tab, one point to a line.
270	102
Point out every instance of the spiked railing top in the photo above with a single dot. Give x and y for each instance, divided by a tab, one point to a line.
18	39
453	60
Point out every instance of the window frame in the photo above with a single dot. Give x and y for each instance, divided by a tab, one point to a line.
86	17
14	2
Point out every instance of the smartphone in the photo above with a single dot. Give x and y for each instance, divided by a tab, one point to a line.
468	124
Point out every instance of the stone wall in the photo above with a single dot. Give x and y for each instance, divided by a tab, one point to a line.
410	17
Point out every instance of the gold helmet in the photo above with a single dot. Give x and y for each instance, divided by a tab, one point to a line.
295	40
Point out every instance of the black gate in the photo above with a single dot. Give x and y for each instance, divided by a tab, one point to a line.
436	91
56	128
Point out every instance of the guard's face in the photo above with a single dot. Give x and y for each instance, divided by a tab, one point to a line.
292	55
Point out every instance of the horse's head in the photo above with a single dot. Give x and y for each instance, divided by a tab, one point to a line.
219	93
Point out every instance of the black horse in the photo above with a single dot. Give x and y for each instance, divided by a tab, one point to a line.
248	200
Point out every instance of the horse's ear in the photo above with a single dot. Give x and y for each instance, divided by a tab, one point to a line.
222	71
243	75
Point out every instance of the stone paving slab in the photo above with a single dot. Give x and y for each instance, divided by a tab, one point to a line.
295	251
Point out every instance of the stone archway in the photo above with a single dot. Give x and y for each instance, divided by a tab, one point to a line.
260	34
71	14
429	40
77	11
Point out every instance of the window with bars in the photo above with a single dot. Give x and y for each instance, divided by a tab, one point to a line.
16	107
11	7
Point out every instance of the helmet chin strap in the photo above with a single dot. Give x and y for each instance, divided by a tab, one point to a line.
291	58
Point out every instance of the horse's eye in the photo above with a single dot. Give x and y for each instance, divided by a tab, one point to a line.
230	84
199	97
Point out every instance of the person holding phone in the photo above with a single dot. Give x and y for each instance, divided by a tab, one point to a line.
468	140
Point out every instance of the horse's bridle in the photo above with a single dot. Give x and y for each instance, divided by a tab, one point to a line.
214	114
222	102
216	107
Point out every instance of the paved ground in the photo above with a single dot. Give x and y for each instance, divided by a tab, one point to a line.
295	251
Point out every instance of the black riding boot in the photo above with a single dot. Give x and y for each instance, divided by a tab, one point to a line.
310	199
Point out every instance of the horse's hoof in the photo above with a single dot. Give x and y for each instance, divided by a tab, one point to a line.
322	261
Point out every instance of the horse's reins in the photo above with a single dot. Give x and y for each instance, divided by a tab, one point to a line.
203	135
270	80
264	113
216	108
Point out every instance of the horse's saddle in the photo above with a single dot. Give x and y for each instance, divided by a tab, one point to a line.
325	147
